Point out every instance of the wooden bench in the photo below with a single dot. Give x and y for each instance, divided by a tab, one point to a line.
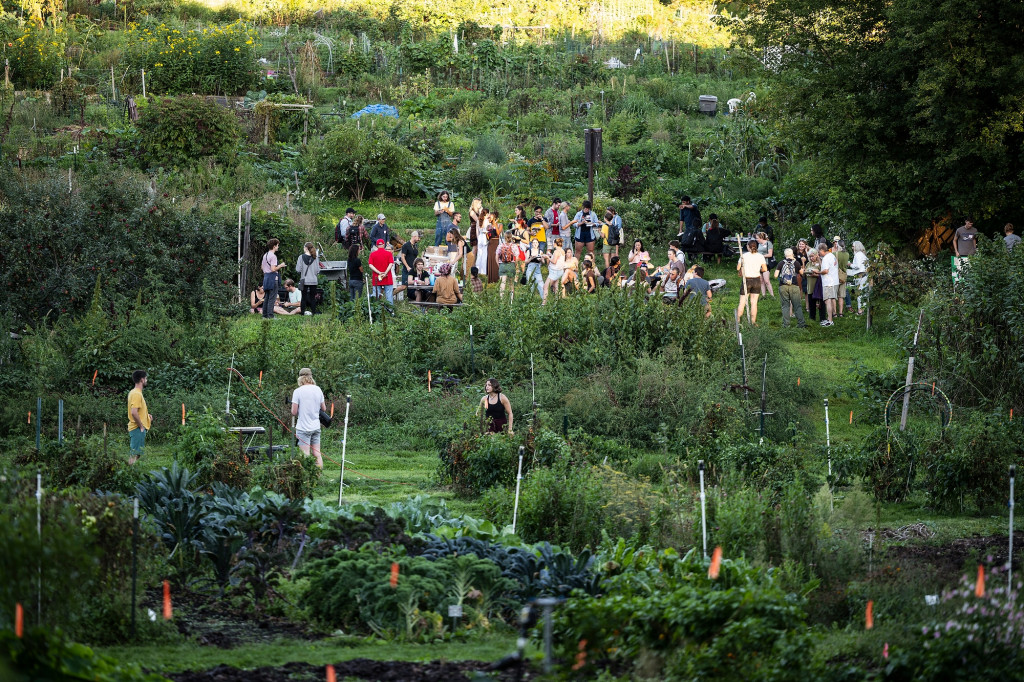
431	305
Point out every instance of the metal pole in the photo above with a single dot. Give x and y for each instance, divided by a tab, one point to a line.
533	384
135	549
703	508
764	392
143	84
743	355
828	441
39	533
368	309
60	422
1009	557
39	420
227	405
472	353
519	479
547	603
344	443
910	375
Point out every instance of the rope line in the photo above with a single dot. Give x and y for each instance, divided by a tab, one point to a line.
285	427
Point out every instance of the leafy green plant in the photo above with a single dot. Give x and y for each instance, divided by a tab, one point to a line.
180	130
662	615
43	654
359	162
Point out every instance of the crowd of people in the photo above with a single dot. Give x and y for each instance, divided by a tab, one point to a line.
556	251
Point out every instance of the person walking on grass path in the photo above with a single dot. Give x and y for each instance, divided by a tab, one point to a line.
139	418
750	267
495	409
307	402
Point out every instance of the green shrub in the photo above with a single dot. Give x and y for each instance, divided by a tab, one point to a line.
180	130
362	163
82	562
352	590
663	617
971	462
208	449
46	655
82	462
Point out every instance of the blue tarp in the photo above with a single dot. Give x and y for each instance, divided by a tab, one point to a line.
378	109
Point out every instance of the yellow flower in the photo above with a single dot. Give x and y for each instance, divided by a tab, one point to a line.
218	51
236	49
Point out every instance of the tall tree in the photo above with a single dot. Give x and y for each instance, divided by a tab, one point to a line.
911	110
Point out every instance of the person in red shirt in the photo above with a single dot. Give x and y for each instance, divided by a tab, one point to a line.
382	265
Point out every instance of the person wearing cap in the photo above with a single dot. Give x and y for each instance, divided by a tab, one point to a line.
382	266
307	402
380	230
790	295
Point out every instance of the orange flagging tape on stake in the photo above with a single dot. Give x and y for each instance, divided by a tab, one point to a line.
429	380
869	615
798	381
581	657
261	378
331	675
19	621
933	388
95	372
30	416
183	414
851	416
394	574
332	410
716	563
167	600
979	587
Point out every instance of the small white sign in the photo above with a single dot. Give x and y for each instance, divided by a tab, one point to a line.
455	611
931	599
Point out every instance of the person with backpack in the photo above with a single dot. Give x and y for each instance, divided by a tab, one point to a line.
506	256
788	273
357	235
342	228
612	233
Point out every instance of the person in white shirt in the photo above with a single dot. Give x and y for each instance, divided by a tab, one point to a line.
750	267
307	402
858	273
829	282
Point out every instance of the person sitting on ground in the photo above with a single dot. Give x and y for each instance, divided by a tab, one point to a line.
256	299
419	277
591	280
670	286
610	275
571	274
294	303
446	289
476	285
307	402
699	290
637	255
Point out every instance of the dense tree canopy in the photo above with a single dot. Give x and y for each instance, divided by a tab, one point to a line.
911	110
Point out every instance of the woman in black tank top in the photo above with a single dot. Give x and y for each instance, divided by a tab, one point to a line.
495	409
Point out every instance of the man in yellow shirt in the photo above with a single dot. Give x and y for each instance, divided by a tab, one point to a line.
139	419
